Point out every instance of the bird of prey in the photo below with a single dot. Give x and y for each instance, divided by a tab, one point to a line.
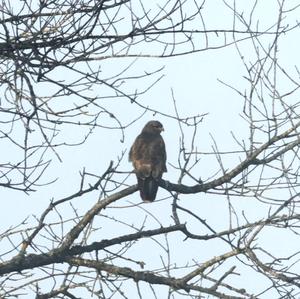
148	156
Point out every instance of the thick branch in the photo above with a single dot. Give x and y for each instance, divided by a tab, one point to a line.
250	160
78	228
60	256
147	276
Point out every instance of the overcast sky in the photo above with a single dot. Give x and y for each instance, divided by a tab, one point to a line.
195	82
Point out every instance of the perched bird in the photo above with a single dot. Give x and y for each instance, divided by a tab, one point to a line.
148	156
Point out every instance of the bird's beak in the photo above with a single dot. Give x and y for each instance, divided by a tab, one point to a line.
162	129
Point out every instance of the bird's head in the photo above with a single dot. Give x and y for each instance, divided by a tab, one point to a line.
153	127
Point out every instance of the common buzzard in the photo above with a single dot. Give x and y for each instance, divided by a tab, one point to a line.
148	156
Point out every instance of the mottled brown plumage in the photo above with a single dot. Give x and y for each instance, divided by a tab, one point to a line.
148	156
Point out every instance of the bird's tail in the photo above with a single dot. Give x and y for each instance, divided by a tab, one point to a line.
148	188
